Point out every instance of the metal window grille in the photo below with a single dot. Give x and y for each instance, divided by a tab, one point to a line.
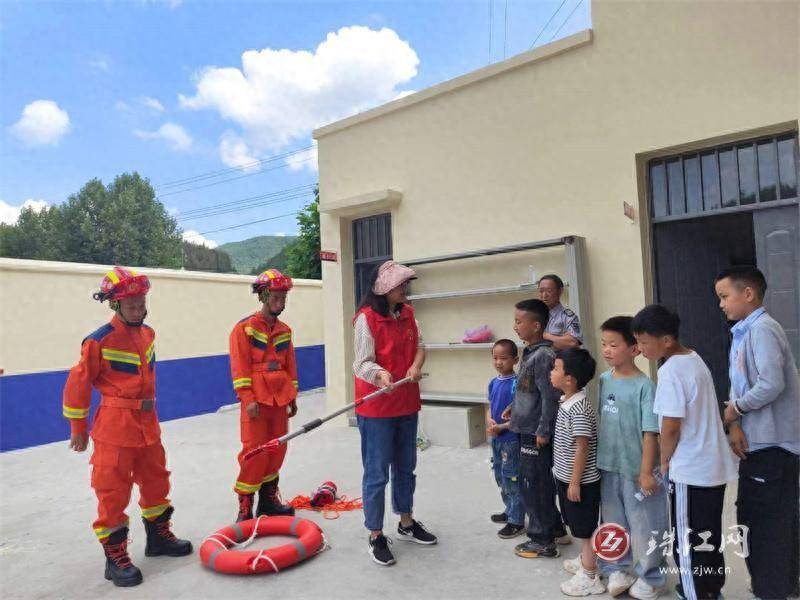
731	177
372	245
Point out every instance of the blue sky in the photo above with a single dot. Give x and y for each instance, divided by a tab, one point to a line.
94	89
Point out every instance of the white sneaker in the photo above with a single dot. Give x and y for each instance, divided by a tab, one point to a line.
643	591
564	540
572	565
582	585
619	582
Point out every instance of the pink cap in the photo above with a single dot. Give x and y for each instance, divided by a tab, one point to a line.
390	275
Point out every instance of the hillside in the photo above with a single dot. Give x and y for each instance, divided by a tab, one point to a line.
248	254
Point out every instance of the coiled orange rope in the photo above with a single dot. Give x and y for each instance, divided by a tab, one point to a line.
342	504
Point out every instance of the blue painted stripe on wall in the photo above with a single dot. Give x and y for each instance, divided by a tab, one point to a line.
30	405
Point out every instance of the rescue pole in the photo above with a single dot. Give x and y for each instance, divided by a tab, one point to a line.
273	445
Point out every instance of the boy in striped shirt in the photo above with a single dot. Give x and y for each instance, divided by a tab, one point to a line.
575	463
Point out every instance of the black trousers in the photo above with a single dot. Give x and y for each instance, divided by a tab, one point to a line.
538	491
768	503
696	514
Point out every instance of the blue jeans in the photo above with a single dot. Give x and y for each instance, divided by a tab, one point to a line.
644	521
505	464
387	442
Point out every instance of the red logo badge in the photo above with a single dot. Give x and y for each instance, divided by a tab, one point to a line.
610	542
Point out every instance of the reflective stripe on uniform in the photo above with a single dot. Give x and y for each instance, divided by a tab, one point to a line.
255	333
247	488
75	413
270	477
242	382
154	511
103	532
121	356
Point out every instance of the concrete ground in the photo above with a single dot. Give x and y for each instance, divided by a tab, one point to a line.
47	548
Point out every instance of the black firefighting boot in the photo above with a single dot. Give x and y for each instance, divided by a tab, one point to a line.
160	539
245	507
119	567
269	501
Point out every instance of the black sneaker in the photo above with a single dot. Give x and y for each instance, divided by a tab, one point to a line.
379	550
416	533
510	531
531	549
499	518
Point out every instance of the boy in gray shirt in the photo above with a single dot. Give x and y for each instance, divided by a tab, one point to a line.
533	414
764	420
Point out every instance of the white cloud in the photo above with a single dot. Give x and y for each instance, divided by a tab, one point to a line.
304	160
178	138
172	4
278	96
196	238
151	103
234	152
101	63
42	123
122	106
9	214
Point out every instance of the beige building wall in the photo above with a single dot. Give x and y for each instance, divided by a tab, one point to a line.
46	309
546	144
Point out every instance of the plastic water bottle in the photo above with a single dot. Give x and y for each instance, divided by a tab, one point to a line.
641	495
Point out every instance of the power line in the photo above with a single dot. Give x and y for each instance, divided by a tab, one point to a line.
491	18
248	223
569	16
505	28
235	204
211	174
238	209
550	20
213	183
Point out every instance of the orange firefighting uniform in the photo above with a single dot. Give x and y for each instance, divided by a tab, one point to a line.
264	370
119	361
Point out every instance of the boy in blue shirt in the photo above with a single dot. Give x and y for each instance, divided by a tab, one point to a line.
627	456
505	443
763	416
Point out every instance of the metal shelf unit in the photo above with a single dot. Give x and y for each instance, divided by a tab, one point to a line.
574	280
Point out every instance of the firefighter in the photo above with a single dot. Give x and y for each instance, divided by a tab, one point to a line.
119	361
264	376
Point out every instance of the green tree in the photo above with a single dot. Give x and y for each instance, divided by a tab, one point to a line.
197	257
121	223
280	261
303	254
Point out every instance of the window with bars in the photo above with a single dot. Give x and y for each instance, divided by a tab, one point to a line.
726	177
372	245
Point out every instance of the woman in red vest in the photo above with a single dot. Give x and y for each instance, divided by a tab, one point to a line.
387	349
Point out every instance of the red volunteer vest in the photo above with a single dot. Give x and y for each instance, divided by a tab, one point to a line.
396	343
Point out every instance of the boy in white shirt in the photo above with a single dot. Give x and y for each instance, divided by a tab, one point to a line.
694	452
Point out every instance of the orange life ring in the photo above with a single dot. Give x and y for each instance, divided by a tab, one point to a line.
218	551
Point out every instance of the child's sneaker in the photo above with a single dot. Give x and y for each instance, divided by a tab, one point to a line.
499	518
511	531
379	550
641	590
582	585
564	540
572	565
531	549
416	533
620	581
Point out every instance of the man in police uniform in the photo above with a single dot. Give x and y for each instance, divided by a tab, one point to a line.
564	327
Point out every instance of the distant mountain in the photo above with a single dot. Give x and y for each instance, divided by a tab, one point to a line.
248	254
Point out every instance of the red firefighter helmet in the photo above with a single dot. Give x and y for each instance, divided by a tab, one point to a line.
122	283
273	281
